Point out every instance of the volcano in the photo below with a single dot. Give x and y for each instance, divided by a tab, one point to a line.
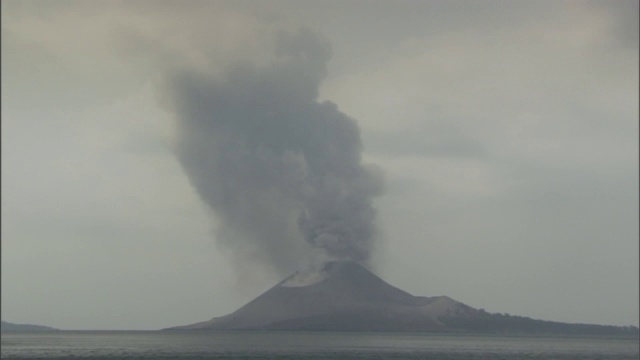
345	296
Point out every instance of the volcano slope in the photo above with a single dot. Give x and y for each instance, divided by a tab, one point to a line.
345	296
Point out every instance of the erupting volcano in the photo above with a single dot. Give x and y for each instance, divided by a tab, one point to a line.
284	175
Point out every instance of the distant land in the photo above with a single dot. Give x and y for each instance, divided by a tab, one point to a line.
345	296
10	327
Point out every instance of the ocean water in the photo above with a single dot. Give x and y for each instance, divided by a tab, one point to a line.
305	345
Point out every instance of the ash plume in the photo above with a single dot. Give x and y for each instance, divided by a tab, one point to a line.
282	171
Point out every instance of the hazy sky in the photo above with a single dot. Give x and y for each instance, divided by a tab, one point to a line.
507	132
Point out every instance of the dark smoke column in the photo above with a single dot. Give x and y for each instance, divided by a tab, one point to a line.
274	164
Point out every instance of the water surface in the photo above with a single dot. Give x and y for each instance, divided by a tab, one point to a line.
193	345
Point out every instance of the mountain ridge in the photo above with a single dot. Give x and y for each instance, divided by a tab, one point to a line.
6	326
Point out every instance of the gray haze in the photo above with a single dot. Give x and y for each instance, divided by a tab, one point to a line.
274	164
507	132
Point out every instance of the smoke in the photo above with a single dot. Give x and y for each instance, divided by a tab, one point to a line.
281	170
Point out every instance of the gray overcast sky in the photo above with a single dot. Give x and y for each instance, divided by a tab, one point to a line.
507	132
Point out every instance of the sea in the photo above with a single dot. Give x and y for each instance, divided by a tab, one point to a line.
257	345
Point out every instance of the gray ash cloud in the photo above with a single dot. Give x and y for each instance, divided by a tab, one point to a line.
282	171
